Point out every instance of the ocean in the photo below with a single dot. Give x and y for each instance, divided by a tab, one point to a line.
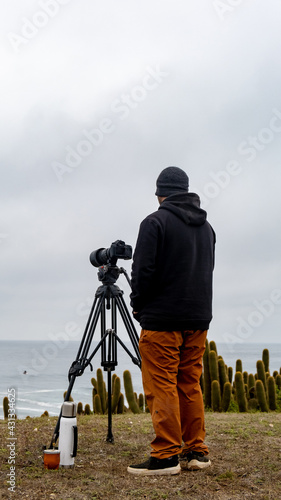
38	371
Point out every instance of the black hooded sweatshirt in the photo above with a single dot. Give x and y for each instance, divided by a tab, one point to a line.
173	266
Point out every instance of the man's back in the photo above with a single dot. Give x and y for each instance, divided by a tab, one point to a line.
173	265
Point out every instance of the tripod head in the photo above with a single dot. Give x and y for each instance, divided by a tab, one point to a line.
108	274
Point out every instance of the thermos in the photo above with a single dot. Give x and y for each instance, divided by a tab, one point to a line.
68	434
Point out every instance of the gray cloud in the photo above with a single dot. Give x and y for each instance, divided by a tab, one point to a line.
91	63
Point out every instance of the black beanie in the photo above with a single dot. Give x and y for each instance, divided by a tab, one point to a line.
170	181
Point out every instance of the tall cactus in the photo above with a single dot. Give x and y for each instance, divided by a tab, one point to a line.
207	378
213	365
6	407
120	406
271	390
230	373
141	402
213	346
278	381
265	358
240	392
261	397
222	374
97	405
101	391
261	373
226	396
238	367
216	395
79	408
115	393
251	382
129	391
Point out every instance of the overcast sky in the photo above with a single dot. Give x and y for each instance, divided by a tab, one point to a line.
98	98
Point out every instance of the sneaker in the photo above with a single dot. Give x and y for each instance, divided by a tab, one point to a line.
194	460
157	466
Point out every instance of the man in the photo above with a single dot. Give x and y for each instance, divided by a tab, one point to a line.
172	299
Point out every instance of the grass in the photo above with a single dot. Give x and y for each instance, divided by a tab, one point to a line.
245	450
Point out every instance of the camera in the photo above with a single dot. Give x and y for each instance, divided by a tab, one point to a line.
117	250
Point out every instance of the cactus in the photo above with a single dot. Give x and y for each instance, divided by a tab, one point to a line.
226	396
265	358
97	405
6	407
271	390
240	392
94	384
87	410
101	391
70	397
261	397
216	395
207	378
222	374
253	404
230	373
251	382
246	378
115	393
275	373
79	408
141	402
238	367
213	365
213	346
120	406
129	391
278	381
261	373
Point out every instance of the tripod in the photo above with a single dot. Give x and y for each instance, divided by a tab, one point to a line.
108	296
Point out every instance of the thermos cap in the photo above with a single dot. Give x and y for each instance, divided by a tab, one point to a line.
69	409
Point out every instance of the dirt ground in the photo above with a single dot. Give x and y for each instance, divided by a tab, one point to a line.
245	450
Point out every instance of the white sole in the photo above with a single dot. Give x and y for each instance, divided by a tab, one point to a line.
158	472
196	465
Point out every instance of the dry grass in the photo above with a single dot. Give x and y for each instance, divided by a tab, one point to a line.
245	454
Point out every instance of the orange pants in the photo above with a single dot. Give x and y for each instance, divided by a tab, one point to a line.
171	370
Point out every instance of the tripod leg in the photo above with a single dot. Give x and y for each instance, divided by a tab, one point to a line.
82	354
110	438
128	322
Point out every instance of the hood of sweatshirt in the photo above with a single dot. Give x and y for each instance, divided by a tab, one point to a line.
186	206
